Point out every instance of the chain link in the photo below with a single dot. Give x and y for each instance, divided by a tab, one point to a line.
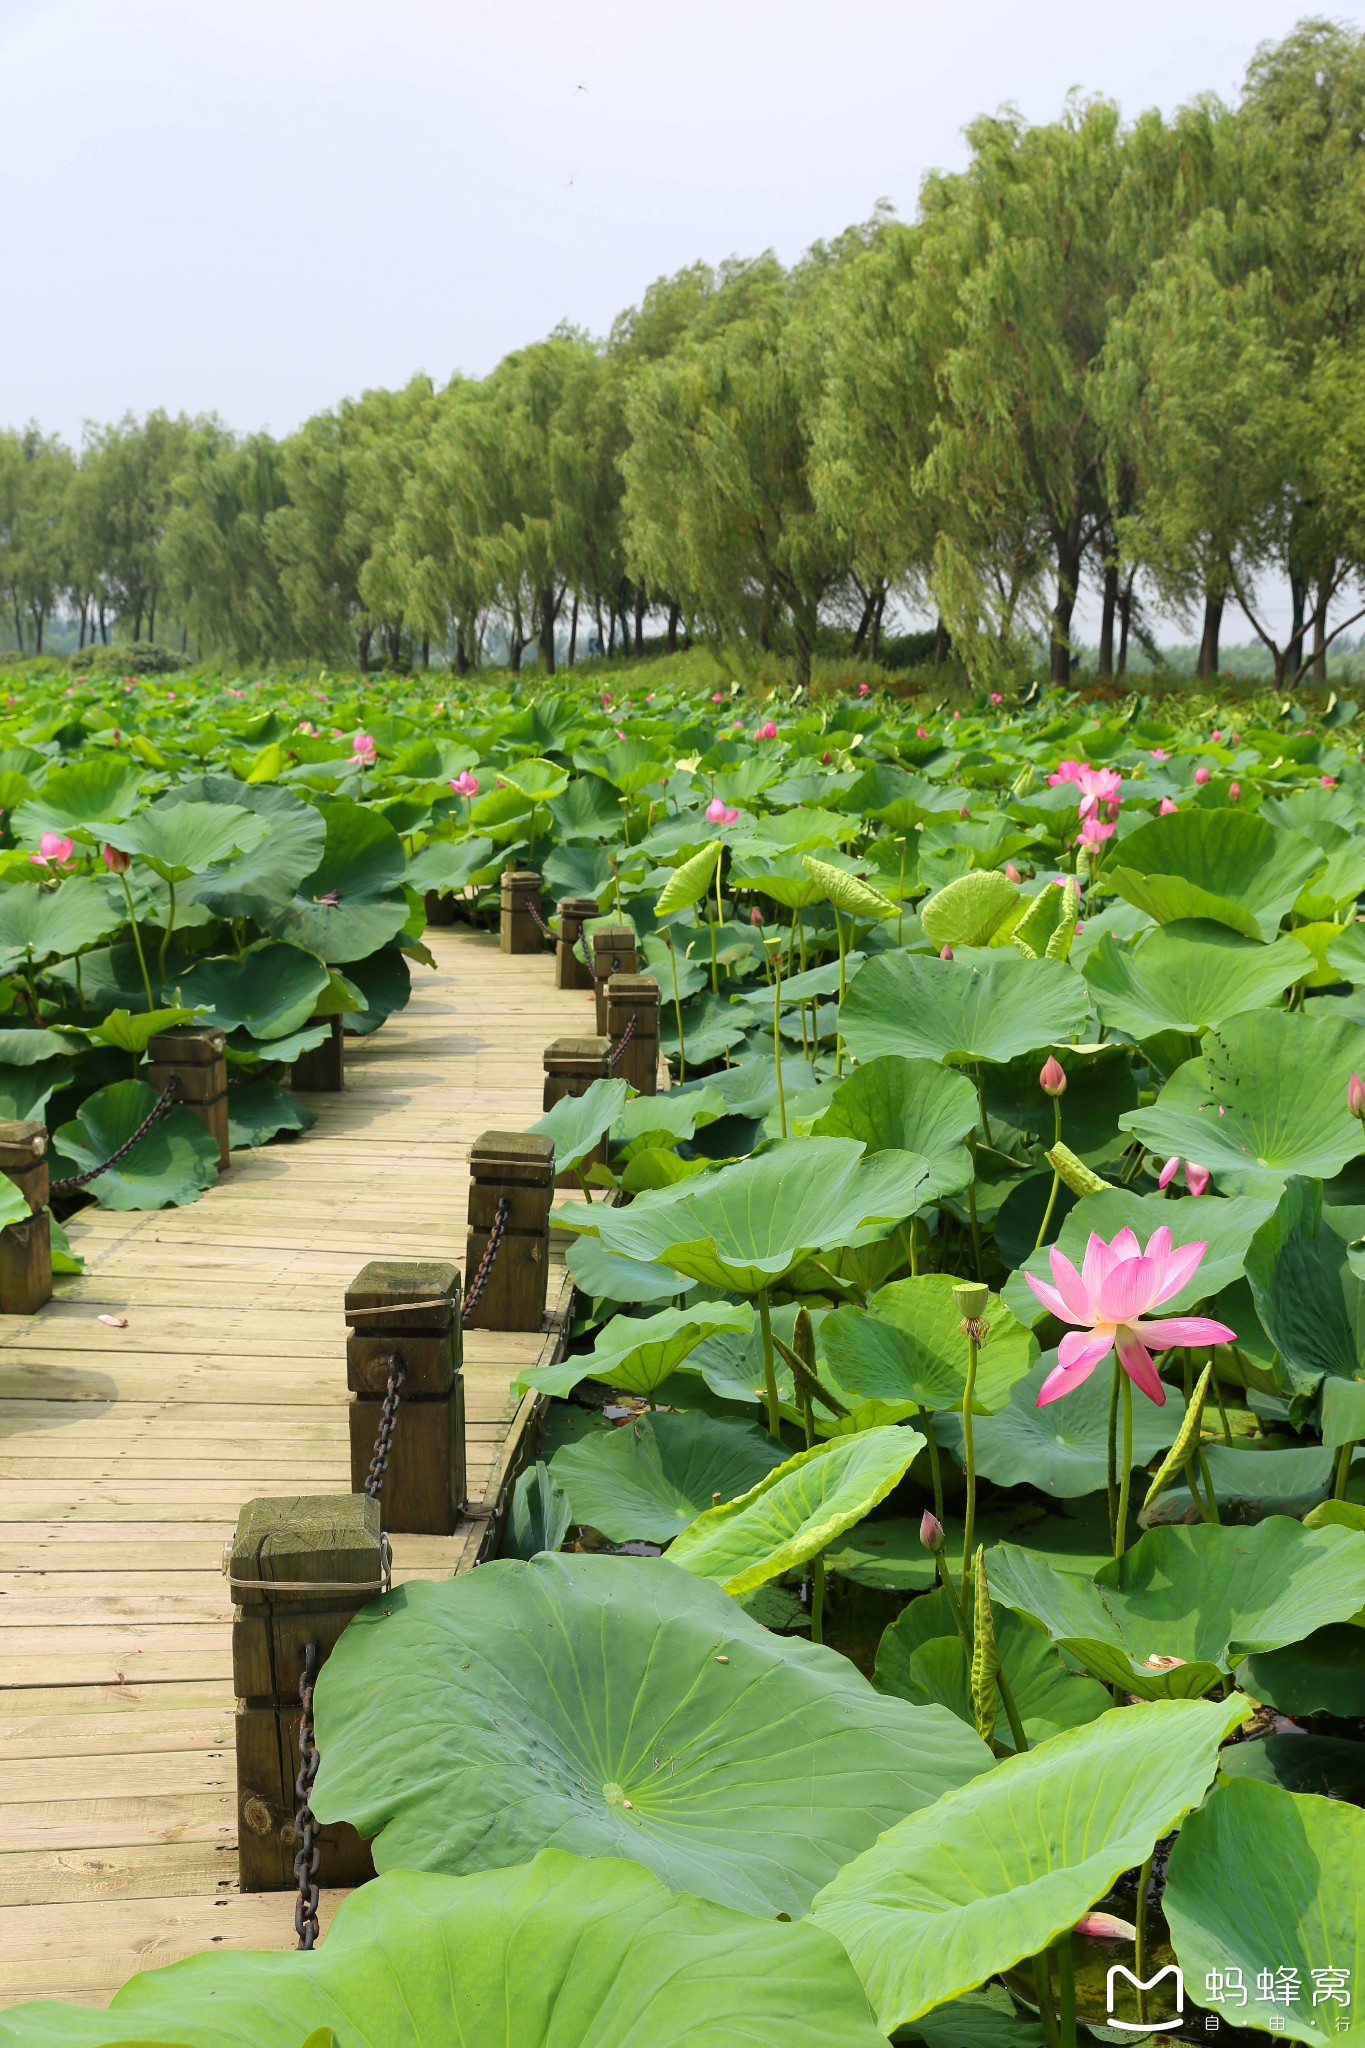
585	952
538	921
305	1827
615	1055
388	1424
163	1105
485	1266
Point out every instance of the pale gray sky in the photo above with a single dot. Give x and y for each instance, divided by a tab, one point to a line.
257	207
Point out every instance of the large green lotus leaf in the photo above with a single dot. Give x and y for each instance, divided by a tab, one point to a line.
1325	1764
908	1106
908	1346
39	923
1250	1483
13	1202
889	1554
1227	1227
270	990
1308	1295
609	1276
648	1479
689	883
269	872
259	1110
1267	1099
449	864
1208	1595
32	1063
1324	1674
1265	1882
1229	867
1063	1448
540	1516
1188	976
352	902
744	1226
950	1896
134	1032
798	1510
969	910
578	1123
100	786
182	839
172	1165
637	1353
921	1659
560	1952
616	1707
845	890
991	1007
538	779
383	981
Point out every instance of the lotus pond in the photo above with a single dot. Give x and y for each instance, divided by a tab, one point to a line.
939	1607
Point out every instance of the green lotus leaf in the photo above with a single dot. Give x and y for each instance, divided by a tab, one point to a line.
889	1553
1309	1297
689	883
616	1707
609	1276
908	1346
896	1104
172	1165
845	891
352	901
797	1510
270	990
72	793
449	864
420	1961
134	1033
1210	1596
1228	867
589	809
39	923
13	1202
992	1007
179	839
1062	1449
538	779
1266	1100
921	1659
259	1110
1227	1227
1189	976
637	1353
33	1062
970	910
1268	1884
648	1479
578	1123
1324	1674
541	1514
1250	1483
1048	926
267	874
1325	1764
743	1227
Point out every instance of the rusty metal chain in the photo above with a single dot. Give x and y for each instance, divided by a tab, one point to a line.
615	1055
163	1105
388	1424
546	932
305	1827
585	952
485	1266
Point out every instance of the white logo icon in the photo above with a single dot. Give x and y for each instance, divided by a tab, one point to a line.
1117	1970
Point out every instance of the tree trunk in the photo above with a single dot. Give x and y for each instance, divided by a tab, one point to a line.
395	639
674	614
184	639
426	652
1068	544
137	624
805	648
573	631
1293	654
548	610
639	622
1109	607
85	605
363	649
38	623
874	643
601	631
19	628
1208	639
865	622
1125	620
151	623
461	653
1320	610
611	636
943	645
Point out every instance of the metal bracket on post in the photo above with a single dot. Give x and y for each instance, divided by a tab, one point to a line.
408	1310
298	1569
571	970
516	1167
633	1007
26	1248
197	1054
518	930
613	952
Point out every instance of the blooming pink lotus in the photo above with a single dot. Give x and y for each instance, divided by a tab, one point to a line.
1116	1286
53	850
1098	786
920	733
1067	771
718	812
362	748
1328	781
1094	831
864	689
1158	754
465	784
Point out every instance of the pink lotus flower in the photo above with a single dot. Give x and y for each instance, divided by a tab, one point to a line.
307	727
1094	831
52	848
1196	1177
996	697
465	784
116	860
1201	775
606	699
1166	806
1116	1286
766	731
931	1531
864	689
1234	792
362	748
1158	754
920	733
1105	1926
1052	1080
945	952
716	697
718	812
1216	736
957	714
1097	786
826	758
1355	1097
1328	781
756	915
1067	771
1012	873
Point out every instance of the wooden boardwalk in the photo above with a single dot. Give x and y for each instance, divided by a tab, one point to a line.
125	1455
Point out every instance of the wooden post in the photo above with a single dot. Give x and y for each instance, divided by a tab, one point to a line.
613	952
26	1248
518	931
298	1570
519	1165
571	970
322	1070
440	906
409	1309
637	996
197	1054
571	1067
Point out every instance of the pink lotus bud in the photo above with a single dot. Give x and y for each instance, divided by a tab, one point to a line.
931	1531
1196	1177
1328	781
1201	775
964	812
1105	1927
1216	735
716	697
465	784
945	952
1165	807
996	697
920	733
606	699
756	915
1012	873
116	860
766	731
715	811
1169	1171
1355	1097
957	714
826	758
864	689
1052	1080
1234	792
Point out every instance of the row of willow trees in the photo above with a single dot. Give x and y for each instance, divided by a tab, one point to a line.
1123	356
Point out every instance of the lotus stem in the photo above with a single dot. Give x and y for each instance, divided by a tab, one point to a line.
817	1598
1047	2015
137	941
1112	1469
1342	1476
765	1324
969	1459
1126	1475
1066	1981
677	1012
166	936
777	1039
981	1105
1140	1941
1041	1238
935	1468
720	917
839	1023
1207	1477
